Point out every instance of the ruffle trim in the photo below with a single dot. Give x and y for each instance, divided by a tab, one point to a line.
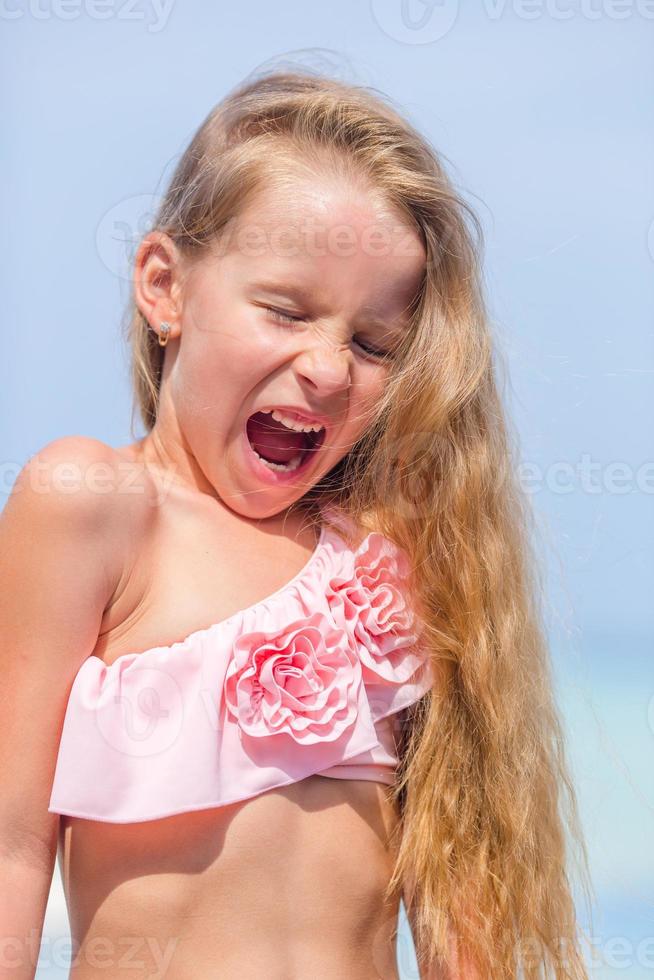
292	686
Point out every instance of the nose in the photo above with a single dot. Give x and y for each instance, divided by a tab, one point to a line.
326	367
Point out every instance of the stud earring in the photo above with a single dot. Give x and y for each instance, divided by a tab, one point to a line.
164	334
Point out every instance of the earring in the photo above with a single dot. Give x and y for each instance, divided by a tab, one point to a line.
164	334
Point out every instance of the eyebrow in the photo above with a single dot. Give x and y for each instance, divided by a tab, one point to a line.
297	293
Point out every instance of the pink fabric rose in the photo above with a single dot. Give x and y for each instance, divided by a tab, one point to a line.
372	607
302	680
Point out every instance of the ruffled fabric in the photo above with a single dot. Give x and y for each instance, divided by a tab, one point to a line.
309	680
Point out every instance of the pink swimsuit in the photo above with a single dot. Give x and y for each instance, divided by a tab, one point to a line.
306	681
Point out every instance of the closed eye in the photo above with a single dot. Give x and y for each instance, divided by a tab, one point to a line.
288	318
280	315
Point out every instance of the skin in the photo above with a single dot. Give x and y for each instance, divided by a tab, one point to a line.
217	317
195	888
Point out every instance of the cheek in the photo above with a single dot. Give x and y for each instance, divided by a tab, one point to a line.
242	338
362	408
221	355
206	382
369	389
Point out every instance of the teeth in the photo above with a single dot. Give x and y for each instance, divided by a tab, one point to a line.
283	467
292	423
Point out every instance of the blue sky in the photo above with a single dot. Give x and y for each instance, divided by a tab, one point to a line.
543	112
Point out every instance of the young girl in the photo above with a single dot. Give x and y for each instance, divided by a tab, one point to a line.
280	662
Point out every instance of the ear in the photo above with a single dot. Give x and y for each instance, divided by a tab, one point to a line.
158	268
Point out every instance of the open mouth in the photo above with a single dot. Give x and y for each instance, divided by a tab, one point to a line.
282	447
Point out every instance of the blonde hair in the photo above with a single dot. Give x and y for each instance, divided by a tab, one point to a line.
483	789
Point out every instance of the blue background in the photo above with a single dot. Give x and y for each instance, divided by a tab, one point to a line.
544	114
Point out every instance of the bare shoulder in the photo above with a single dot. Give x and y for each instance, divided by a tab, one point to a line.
90	488
63	546
86	476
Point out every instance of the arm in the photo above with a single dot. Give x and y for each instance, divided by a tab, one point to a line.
56	577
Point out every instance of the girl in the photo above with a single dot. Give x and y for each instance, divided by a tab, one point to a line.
318	678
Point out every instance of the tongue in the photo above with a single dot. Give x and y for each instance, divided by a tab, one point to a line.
273	440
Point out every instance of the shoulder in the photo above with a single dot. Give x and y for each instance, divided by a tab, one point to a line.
56	477
83	476
64	463
84	487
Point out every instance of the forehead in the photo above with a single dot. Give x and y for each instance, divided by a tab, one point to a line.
323	230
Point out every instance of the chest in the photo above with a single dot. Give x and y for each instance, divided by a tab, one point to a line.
188	570
235	701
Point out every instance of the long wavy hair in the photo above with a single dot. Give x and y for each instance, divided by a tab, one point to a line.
483	790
